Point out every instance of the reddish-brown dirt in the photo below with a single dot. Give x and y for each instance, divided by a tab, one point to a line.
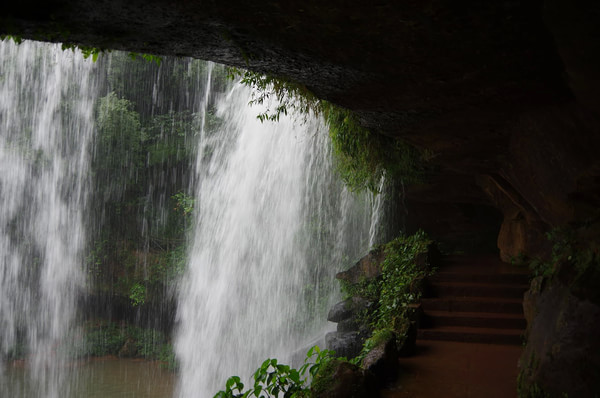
457	370
470	337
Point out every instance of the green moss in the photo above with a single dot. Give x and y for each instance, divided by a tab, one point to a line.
576	258
392	292
378	337
324	380
362	157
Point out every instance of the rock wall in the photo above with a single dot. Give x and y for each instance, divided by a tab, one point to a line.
561	355
506	91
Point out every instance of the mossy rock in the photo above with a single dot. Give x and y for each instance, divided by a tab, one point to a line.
341	379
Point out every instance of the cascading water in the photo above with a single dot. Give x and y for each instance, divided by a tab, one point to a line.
273	225
46	103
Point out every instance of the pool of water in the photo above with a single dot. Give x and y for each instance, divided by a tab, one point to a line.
104	377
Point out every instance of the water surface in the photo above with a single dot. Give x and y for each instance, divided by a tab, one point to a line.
107	377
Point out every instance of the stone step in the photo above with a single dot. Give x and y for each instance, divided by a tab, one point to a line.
470	289
472	335
473	304
476	277
475	319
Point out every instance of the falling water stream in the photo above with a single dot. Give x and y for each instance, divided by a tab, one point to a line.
46	102
272	225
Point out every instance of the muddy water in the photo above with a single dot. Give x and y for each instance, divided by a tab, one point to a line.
106	377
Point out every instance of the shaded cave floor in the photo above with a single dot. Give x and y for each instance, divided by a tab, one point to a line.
457	370
470	333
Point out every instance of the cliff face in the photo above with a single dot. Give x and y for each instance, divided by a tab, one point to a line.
503	96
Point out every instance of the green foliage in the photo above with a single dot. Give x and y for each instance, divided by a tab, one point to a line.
580	254
394	290
369	289
96	257
525	388
168	138
273	379
108	338
170	266
401	275
291	97
147	57
575	258
120	137
15	38
184	203
137	294
141	276
362	157
102	339
86	51
379	336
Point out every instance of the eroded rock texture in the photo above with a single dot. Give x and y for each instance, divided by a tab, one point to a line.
561	356
504	91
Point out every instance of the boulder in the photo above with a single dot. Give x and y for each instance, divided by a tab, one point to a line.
382	360
341	311
560	358
348	308
368	267
341	379
345	344
351	324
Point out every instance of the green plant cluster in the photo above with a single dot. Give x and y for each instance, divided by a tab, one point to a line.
137	294
87	51
291	97
103	338
273	379
394	290
401	276
362	157
138	275
576	258
142	154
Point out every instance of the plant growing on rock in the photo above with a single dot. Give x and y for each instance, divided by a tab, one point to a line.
362	157
403	267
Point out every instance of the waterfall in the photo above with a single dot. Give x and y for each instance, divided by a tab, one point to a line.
272	223
46	104
273	226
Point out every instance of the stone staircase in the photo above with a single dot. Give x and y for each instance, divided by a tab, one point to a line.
475	299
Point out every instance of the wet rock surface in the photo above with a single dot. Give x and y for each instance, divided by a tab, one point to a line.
562	342
345	344
382	360
341	379
348	308
368	267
